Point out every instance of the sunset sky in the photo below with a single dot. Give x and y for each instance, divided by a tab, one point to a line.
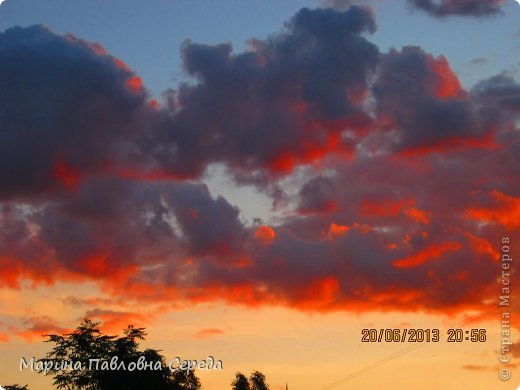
261	180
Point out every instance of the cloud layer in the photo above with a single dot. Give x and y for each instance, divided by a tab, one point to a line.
401	182
444	8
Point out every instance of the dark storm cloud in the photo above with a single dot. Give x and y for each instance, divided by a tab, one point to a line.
211	225
423	100
109	226
499	91
444	8
317	195
275	105
64	108
413	247
370	225
350	269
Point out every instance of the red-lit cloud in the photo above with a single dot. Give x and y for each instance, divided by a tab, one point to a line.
35	328
209	332
432	252
505	211
265	234
113	321
397	183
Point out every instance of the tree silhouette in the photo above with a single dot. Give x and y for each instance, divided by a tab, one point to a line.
85	343
89	346
16	387
240	382
256	381
185	380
